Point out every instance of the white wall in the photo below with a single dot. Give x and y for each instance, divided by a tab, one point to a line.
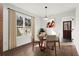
38	25
5	26
76	30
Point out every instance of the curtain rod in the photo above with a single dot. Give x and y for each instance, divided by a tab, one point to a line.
19	12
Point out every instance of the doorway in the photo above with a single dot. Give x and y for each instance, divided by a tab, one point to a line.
67	32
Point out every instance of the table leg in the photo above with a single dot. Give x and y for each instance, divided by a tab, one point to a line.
33	46
55	47
59	42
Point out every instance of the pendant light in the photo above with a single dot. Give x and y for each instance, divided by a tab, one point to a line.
46	18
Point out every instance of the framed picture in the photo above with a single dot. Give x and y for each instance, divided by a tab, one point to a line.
23	24
19	21
20	31
28	29
51	24
27	22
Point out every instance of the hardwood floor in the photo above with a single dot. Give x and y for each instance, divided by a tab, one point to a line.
67	49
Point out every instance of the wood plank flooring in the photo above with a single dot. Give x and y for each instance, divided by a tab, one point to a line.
26	50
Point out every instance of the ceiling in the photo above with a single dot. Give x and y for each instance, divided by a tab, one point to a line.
39	8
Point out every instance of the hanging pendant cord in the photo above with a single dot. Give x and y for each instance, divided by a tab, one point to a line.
46	11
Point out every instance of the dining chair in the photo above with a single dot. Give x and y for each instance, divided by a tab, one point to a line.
34	42
42	39
51	42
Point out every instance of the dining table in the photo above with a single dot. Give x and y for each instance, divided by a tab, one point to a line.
52	34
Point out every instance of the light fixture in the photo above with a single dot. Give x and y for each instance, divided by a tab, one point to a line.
45	18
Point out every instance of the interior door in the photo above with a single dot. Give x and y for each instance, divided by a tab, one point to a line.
67	30
1	29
